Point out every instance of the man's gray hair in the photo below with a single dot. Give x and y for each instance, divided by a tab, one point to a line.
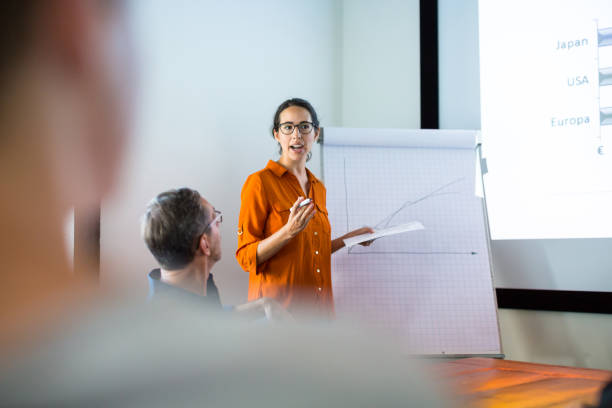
172	226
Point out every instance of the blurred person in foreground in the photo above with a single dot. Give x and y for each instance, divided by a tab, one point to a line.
181	229
65	98
65	74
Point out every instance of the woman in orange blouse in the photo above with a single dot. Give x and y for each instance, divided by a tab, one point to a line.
286	249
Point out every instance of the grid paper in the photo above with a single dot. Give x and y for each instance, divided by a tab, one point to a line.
432	288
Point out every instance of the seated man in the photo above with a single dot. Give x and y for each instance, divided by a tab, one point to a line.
181	229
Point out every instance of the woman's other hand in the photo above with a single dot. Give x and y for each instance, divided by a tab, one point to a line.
299	217
361	231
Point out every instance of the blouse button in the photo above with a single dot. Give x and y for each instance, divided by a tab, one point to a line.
316	233
319	289
316	252
318	271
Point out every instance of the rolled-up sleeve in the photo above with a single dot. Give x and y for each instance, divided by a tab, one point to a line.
251	223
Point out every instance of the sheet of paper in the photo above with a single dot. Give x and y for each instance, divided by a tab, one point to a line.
397	229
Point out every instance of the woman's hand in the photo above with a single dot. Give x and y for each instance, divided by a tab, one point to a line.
299	217
361	231
298	220
339	242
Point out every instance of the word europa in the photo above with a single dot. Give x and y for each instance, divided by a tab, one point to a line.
573	121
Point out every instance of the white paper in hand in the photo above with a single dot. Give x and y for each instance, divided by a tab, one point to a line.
398	229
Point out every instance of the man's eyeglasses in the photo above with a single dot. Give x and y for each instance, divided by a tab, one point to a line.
218	218
304	128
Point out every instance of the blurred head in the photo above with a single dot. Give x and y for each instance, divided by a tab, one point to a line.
296	129
65	75
179	227
65	71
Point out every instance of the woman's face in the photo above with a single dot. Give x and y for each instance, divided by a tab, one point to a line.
298	143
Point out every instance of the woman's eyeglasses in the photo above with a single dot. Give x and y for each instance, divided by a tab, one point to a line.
304	128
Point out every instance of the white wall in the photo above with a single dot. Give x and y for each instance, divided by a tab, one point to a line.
459	71
213	74
571	339
380	64
578	339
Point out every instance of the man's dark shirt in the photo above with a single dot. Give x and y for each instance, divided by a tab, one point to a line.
159	290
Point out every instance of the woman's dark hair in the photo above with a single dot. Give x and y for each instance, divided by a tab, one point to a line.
302	103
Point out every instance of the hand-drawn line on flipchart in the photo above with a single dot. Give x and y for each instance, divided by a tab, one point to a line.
436	192
384	223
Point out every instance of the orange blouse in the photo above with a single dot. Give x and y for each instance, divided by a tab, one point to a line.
299	275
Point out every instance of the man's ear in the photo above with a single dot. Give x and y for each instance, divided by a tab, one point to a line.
204	245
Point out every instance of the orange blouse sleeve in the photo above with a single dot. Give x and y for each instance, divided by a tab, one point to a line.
251	223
